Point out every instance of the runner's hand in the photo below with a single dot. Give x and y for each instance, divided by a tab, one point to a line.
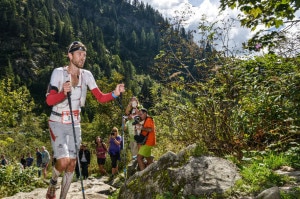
120	88
67	87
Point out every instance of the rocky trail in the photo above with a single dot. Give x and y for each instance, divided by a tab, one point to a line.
93	188
213	169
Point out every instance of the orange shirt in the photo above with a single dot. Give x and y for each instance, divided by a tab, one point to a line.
151	140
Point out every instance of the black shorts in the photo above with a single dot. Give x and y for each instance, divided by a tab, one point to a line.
101	161
114	158
44	165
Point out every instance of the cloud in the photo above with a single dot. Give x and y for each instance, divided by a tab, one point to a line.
195	10
209	8
165	4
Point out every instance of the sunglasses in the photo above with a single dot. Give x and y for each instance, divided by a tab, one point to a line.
76	45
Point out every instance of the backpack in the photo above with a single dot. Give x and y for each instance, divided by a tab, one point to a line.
66	77
141	139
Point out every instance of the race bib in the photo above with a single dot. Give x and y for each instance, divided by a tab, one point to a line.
67	119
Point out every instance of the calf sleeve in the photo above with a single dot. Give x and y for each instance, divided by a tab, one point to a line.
55	175
65	184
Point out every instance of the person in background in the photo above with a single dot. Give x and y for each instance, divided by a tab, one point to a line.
101	150
133	107
4	161
147	129
29	160
85	160
23	161
130	128
132	111
114	150
38	155
45	161
70	82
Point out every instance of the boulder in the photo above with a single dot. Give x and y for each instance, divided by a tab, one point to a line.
183	175
272	193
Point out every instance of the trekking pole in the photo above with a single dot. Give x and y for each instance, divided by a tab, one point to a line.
76	148
123	136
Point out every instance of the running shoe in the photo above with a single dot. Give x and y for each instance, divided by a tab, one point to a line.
51	192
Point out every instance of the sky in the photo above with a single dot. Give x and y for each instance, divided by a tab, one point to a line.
210	8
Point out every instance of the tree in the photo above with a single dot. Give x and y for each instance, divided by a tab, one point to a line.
129	74
134	39
271	13
146	97
16	104
288	47
151	39
143	38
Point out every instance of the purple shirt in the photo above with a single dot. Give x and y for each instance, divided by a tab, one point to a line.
113	147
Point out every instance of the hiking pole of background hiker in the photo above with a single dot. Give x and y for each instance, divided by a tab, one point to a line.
123	136
75	140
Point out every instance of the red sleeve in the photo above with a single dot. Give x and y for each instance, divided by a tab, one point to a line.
54	97
101	97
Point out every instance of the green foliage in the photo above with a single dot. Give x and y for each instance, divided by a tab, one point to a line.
292	152
114	195
169	195
257	171
244	105
200	150
269	13
15	104
294	193
13	180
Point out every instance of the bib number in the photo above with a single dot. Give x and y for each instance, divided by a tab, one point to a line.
67	119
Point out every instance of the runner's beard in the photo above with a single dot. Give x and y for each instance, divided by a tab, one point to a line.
78	64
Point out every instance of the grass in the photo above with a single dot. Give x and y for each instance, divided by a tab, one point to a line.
258	172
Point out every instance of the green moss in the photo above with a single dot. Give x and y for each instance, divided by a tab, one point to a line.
200	150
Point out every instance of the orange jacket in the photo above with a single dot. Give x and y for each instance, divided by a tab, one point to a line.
149	123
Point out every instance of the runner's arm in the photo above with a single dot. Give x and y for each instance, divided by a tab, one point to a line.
102	97
54	97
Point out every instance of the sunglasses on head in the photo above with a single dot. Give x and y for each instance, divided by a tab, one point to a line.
76	45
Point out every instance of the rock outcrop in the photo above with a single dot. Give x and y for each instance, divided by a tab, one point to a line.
183	175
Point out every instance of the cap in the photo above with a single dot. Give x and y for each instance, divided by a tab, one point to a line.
76	45
144	110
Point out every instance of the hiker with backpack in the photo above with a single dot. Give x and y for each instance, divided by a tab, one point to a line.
147	138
